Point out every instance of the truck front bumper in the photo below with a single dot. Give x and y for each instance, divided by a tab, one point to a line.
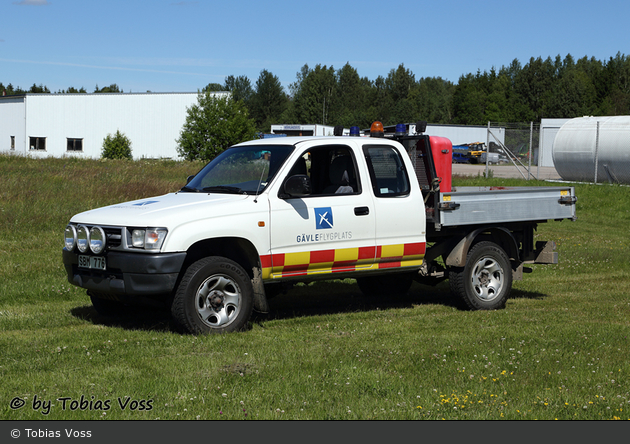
131	274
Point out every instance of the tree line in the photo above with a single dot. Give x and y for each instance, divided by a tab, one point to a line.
11	90
550	88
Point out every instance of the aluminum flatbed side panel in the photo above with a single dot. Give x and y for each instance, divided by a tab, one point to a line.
489	205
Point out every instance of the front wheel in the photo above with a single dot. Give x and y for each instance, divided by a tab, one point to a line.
214	296
484	283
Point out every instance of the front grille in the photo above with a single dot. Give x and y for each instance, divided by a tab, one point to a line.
114	237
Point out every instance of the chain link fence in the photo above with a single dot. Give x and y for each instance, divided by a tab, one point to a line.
516	144
586	149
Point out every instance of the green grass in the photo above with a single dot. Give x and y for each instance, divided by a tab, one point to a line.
558	351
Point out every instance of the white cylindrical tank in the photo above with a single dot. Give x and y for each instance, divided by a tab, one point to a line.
579	146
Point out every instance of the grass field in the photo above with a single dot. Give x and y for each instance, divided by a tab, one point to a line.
558	351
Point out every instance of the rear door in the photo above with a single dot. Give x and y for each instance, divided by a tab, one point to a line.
398	207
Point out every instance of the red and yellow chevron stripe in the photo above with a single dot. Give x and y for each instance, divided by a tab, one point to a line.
306	263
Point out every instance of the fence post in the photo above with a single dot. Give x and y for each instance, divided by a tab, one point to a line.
596	151
487	148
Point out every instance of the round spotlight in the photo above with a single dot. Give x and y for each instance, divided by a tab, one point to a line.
97	240
83	239
70	237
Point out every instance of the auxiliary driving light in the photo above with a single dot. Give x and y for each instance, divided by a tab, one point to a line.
83	239
97	240
70	237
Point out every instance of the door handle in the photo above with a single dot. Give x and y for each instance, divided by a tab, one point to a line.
361	211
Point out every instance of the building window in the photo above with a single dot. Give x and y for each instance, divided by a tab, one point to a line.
75	144
12	143
38	143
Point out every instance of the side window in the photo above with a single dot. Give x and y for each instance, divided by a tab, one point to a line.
332	170
37	143
74	144
387	171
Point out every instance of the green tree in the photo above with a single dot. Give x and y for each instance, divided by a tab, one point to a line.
351	94
113	88
614	86
117	146
240	87
268	102
469	100
434	100
213	87
39	89
380	101
399	83
212	125
534	85
72	90
315	101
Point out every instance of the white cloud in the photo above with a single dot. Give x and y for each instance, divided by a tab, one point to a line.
32	2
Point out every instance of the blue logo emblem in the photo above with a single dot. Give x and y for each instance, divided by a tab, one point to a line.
323	218
146	202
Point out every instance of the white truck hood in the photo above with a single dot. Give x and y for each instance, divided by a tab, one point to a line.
166	211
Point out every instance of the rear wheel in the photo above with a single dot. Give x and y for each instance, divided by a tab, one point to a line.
386	285
486	280
214	296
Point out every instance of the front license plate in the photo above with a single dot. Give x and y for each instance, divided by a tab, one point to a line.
97	262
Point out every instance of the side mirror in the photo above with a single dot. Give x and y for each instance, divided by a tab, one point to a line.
297	186
189	178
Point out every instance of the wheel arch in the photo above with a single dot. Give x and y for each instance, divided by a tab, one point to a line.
241	251
499	235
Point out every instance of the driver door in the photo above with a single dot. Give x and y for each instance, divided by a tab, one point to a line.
332	230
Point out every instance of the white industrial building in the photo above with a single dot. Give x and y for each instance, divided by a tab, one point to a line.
43	125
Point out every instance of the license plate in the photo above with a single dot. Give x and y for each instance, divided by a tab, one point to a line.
97	262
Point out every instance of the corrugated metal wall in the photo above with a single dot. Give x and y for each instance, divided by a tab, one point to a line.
152	122
464	134
12	124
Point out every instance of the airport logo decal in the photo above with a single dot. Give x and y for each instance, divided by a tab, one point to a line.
323	218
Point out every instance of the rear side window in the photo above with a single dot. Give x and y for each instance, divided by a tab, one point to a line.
387	171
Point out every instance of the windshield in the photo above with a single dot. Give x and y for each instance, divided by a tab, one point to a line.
240	170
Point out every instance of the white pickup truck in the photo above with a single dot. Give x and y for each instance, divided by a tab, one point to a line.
271	212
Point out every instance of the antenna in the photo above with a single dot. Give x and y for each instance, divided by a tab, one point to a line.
259	182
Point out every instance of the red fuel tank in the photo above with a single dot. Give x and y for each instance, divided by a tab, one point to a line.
442	153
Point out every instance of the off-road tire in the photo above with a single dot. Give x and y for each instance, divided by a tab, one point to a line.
486	280
214	296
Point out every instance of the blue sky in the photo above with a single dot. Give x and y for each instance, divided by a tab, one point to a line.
181	46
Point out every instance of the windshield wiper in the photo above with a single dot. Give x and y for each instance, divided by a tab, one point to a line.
222	189
187	188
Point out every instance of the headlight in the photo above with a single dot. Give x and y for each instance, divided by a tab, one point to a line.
137	238
97	240
149	239
83	239
70	237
